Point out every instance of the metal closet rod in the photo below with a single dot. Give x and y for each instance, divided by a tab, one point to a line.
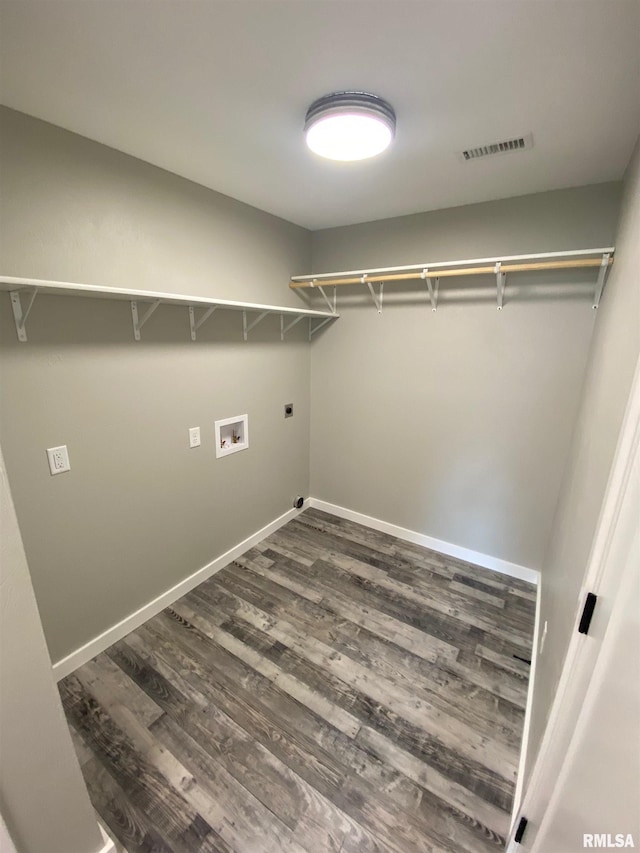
458	268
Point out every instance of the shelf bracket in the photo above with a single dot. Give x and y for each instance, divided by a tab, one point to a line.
327	300
18	315
377	300
139	323
291	325
602	274
501	278
313	329
433	289
195	324
247	328
332	307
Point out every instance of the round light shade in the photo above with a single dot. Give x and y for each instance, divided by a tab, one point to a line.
349	126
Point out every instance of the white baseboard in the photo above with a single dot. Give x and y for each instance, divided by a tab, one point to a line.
102	642
6	842
522	764
108	846
476	557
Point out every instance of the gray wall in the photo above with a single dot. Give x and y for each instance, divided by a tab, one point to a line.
613	357
43	799
457	424
74	210
139	511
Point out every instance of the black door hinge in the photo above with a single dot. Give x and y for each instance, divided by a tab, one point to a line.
520	830
587	613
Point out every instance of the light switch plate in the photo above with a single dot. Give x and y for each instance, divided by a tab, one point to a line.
58	459
194	437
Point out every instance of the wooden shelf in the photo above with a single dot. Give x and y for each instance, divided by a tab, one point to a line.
30	287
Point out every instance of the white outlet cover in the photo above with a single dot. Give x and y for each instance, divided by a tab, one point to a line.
194	437
58	459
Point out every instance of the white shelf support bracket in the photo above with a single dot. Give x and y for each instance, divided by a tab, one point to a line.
307	296
195	324
327	300
314	329
433	289
602	275
18	315
377	300
501	278
291	325
139	323
247	328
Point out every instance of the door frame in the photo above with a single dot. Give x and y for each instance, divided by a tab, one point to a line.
543	788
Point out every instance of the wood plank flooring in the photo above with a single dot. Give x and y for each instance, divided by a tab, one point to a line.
334	689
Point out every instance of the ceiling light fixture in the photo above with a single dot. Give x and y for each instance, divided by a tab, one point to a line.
349	126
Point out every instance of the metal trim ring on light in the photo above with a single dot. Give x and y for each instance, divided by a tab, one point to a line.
360	104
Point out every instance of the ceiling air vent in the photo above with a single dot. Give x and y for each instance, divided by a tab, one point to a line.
518	143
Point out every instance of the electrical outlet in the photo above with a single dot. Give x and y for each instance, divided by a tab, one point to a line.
194	437
58	459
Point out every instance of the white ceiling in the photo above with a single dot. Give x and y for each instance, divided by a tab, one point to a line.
217	92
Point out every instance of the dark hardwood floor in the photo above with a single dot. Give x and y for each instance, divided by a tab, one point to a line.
334	689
